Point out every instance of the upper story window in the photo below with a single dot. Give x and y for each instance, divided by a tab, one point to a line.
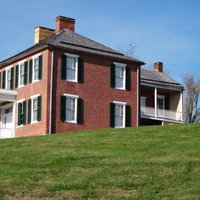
72	68
120	76
8	78
21	74
35	68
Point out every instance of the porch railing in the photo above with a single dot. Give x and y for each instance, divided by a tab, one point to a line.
6	133
161	113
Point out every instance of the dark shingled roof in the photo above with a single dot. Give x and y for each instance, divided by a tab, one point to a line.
159	78
69	40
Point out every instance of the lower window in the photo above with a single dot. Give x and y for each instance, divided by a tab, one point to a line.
120	115
34	109
71	109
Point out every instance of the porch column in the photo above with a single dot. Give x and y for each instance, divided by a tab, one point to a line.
182	111
155	102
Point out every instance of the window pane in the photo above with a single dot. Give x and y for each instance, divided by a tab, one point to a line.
36	68
71	68
70	109
119	77
21	73
8	79
35	109
119	115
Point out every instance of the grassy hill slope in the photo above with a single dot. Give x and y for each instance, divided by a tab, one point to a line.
160	162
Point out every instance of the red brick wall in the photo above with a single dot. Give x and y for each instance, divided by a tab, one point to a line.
95	91
31	89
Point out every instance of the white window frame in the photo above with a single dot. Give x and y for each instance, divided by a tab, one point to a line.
32	98
6	79
19	75
76	67
163	98
76	107
33	67
119	103
121	65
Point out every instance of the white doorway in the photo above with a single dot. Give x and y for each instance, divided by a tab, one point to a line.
7	125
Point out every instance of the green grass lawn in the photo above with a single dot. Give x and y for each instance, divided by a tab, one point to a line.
160	162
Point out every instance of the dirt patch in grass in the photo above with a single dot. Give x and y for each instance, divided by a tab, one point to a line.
117	193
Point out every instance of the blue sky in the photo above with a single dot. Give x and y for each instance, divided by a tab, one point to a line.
160	30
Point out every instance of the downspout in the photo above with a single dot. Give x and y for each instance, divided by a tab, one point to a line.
138	95
51	89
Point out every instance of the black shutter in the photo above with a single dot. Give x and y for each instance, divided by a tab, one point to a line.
80	70
128	78
80	111
62	108
39	108
19	121
24	113
112	75
63	67
29	111
25	72
30	70
12	79
4	80
112	115
16	76
40	68
128	116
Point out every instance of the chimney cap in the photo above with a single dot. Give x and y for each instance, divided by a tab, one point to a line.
65	18
42	27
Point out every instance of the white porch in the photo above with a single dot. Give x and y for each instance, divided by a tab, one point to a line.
7	113
163	108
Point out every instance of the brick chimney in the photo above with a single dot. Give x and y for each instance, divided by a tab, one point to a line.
41	33
158	66
65	23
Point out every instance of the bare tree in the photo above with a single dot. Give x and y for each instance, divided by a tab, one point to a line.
129	50
192	92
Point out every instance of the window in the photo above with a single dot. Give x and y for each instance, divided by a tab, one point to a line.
72	68
71	109
7	80
143	101
21	74
34	109
161	102
120	76
35	68
71	72
21	113
120	115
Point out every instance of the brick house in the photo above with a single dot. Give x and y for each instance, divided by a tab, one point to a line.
67	82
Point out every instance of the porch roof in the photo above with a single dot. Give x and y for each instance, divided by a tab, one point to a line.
7	95
159	79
